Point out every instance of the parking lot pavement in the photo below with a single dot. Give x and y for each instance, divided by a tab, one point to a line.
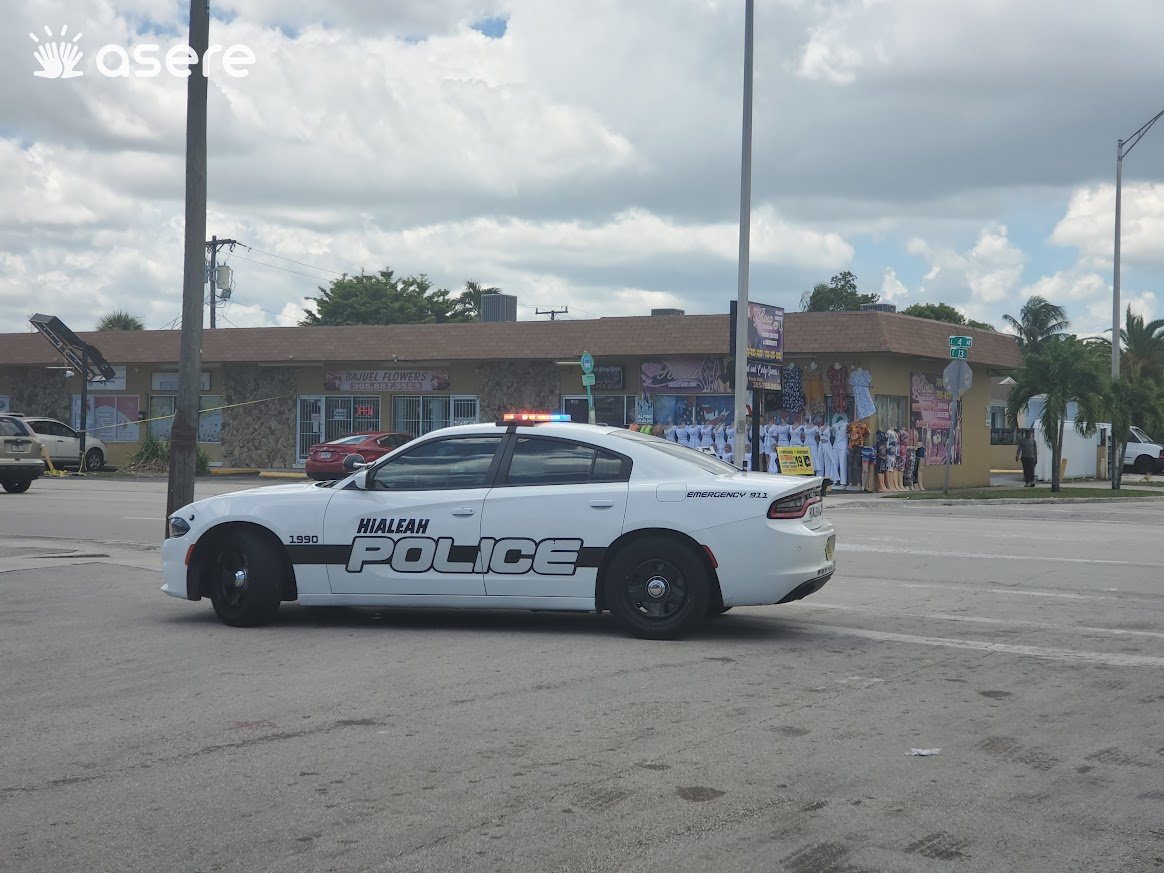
1025	642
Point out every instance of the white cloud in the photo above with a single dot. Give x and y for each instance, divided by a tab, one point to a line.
1089	224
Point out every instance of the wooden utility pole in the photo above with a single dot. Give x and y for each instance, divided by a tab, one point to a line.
183	435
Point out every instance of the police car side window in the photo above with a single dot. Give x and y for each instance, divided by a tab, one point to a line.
559	462
440	465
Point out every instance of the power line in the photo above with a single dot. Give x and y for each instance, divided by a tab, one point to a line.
284	269
293	261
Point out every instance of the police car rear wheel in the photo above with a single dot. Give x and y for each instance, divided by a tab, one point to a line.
244	581
657	588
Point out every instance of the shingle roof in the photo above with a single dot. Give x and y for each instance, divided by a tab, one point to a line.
804	333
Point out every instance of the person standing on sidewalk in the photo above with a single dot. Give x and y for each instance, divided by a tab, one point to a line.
1028	453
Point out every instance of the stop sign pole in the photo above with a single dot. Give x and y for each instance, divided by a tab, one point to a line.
958	377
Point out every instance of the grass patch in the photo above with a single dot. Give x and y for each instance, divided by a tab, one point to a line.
1041	491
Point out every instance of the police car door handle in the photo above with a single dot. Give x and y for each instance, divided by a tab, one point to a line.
602	504
463	510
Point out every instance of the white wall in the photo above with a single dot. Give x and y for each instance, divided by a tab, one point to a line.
1080	452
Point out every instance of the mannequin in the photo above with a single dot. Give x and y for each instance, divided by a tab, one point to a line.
824	450
840	450
783	431
719	440
730	447
907	458
692	433
669	432
858	435
765	443
706	436
919	455
891	459
869	467
882	449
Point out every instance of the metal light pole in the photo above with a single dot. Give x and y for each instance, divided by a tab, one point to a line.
1123	147
741	361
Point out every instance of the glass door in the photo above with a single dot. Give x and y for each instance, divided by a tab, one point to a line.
309	426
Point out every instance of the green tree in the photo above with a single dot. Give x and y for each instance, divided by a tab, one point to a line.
839	295
935	312
1062	370
120	320
1038	320
381	298
1128	402
467	304
1143	347
981	325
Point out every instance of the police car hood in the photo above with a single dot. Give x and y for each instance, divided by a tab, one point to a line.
277	489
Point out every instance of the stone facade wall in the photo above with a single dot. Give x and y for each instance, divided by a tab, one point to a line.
258	434
37	391
515	385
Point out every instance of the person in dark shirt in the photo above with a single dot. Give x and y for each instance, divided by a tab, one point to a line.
1028	452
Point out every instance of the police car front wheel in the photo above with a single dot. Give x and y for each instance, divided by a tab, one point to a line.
657	588
244	579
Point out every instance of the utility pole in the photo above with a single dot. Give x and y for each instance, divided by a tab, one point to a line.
741	362
183	434
552	312
213	246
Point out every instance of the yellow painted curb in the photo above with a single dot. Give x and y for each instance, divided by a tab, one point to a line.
233	471
281	474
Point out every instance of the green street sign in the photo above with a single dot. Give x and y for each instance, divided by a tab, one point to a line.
587	380
587	363
960	353
963	342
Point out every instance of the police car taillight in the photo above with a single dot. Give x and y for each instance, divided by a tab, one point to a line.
533	417
794	505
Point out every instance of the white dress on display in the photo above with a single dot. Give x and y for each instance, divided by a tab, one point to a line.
797	435
783	434
720	444
824	452
692	435
730	448
706	436
669	433
770	451
841	452
811	435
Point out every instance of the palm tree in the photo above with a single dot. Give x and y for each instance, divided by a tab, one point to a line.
467	304
1128	402
1143	347
1063	371
120	320
1038	320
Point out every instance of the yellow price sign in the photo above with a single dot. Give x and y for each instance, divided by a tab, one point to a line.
794	460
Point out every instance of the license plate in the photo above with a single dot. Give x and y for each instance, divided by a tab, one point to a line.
816	510
325	454
19	448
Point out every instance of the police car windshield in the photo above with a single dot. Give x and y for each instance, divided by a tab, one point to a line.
704	461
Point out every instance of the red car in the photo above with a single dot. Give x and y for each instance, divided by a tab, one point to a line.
326	460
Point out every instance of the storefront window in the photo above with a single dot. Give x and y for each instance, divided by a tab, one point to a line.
418	414
163	407
692	408
617	410
892	411
112	418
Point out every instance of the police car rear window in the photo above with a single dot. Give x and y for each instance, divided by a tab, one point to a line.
704	461
539	461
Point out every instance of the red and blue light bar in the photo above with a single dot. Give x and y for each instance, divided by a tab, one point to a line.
533	417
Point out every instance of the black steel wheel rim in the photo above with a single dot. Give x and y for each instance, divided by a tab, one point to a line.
657	590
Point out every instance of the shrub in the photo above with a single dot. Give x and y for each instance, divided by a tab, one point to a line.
153	456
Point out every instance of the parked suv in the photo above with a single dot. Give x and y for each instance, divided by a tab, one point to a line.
64	444
20	455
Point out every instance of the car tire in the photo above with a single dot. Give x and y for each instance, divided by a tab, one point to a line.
245	570
657	588
94	460
17	487
1143	466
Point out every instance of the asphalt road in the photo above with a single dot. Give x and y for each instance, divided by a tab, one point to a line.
1026	642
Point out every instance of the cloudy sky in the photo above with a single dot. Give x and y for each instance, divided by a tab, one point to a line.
586	153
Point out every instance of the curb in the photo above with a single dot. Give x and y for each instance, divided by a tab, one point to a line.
233	471
280	474
1012	501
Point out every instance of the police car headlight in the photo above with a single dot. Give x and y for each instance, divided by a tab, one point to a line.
178	527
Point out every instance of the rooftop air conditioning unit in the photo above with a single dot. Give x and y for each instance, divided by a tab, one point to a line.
498	307
878	307
668	312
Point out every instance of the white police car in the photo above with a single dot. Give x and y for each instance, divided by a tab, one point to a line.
520	514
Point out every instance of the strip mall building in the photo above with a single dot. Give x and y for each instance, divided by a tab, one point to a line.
270	393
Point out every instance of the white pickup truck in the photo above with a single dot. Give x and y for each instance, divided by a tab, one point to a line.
1144	454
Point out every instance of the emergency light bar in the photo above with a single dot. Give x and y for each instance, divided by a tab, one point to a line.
533	417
